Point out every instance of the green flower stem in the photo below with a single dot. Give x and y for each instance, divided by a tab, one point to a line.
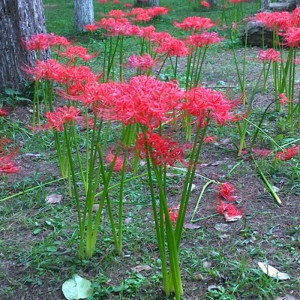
198	73
121	58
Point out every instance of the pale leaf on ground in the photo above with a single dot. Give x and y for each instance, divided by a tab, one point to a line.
77	288
191	226
141	268
54	198
272	272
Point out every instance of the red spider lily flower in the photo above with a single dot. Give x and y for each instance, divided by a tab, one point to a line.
276	20
61	116
48	70
143	62
116	13
3	112
205	4
295	18
173	47
74	52
204	39
116	2
118	163
174	213
234	25
128	5
159	37
163	151
91	27
157	11
283	99
44	41
226	191
148	31
144	100
262	152
7	165
229	211
269	55
289	153
292	37
195	23
210	139
206	103
103	1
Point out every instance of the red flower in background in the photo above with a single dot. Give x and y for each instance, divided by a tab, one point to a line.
44	41
269	55
262	152
74	52
61	116
283	99
289	153
143	62
205	4
275	20
195	23
7	165
118	163
210	139
3	112
91	27
204	39
173	47
292	36
227	191
229	211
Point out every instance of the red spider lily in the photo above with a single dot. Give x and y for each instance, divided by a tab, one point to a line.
50	69
148	31
116	2
202	103
91	27
283	99
204	39
116	13
143	100
163	151
205	4
276	20
262	152
128	5
295	18
226	191
103	1
7	166
74	52
288	154
144	62
62	116
195	23
292	37
269	55
44	41
173	47
229	211
174	213
210	139
118	163
3	112
159	37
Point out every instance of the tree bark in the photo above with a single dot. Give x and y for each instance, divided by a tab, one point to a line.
83	13
265	4
154	2
19	19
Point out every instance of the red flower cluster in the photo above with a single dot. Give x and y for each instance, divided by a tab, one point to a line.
173	47
269	55
262	152
143	62
3	112
276	20
229	210
292	36
44	41
118	163
204	39
210	139
163	151
61	116
205	4
195	23
203	103
289	153
283	99
7	165
174	213
74	52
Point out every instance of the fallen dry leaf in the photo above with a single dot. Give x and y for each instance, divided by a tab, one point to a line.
54	198
191	226
272	272
141	268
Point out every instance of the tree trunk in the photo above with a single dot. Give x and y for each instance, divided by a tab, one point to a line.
154	2
83	13
265	4
19	19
